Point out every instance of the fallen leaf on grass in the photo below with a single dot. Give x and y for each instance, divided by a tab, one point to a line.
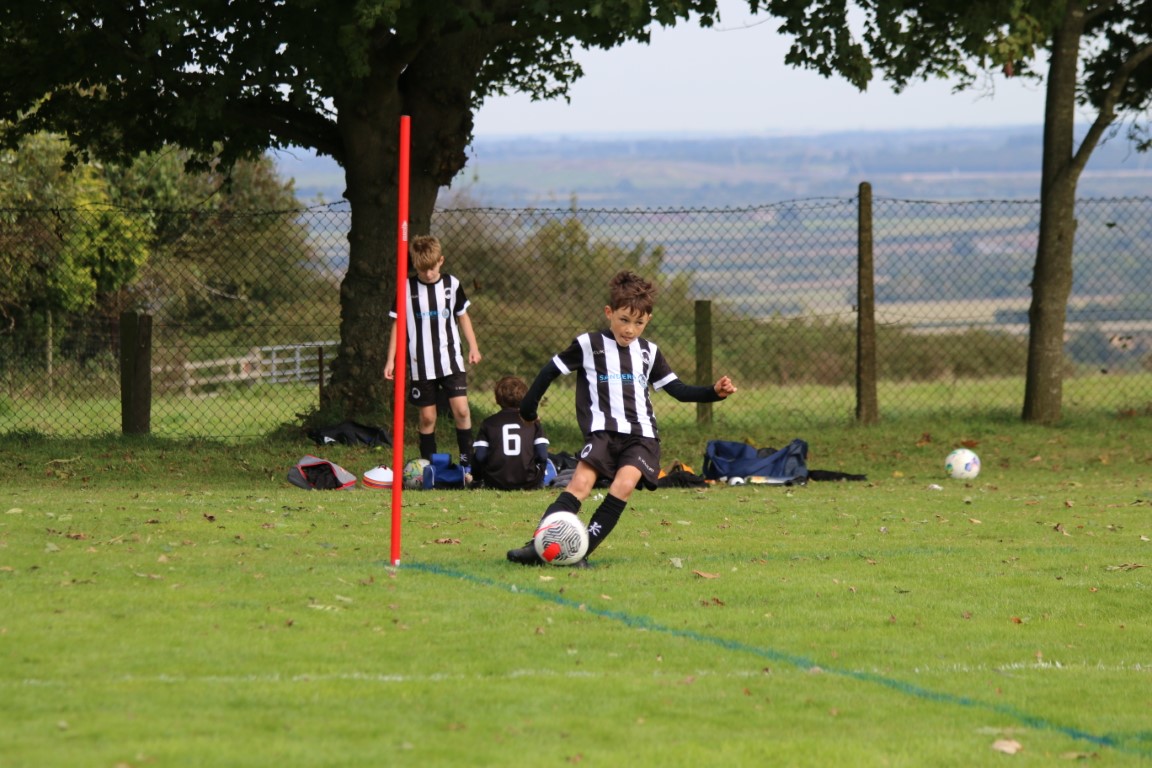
974	521
1059	528
1124	567
704	575
1007	746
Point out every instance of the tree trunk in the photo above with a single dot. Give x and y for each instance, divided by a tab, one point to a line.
1052	273
371	139
435	92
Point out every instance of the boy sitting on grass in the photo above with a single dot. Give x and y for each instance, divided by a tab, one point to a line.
508	453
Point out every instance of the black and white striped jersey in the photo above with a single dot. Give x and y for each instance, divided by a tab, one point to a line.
612	393
435	346
508	453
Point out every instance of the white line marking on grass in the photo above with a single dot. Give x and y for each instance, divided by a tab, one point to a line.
515	674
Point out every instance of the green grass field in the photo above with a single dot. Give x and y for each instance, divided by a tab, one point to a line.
180	604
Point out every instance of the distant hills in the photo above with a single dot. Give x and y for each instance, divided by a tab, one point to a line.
747	171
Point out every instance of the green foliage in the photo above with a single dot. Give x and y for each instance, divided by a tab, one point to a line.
193	76
60	263
911	41
545	271
82	246
208	224
545	280
1099	54
229	81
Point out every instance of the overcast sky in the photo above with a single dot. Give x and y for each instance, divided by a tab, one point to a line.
732	79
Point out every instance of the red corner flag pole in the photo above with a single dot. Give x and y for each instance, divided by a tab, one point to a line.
400	379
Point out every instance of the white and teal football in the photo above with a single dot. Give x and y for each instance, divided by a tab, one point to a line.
561	539
962	464
414	473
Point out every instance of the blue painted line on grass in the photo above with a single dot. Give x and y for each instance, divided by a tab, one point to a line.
1141	747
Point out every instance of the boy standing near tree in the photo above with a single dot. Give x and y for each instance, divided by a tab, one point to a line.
615	369
437	324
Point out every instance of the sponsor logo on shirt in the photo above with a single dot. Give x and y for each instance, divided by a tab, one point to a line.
625	377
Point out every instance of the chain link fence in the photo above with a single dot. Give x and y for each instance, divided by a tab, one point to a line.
245	307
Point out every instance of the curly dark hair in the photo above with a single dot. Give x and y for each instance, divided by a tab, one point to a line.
510	390
629	290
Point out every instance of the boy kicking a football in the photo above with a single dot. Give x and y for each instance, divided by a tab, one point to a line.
615	367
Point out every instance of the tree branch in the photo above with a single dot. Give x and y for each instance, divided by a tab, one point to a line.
1099	10
1107	112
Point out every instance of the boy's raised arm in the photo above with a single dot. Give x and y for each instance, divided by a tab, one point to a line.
531	402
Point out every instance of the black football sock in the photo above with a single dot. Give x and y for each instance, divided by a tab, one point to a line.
464	443
603	520
565	502
427	445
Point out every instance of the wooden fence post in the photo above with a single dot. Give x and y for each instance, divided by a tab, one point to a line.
135	373
867	404
320	374
704	357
